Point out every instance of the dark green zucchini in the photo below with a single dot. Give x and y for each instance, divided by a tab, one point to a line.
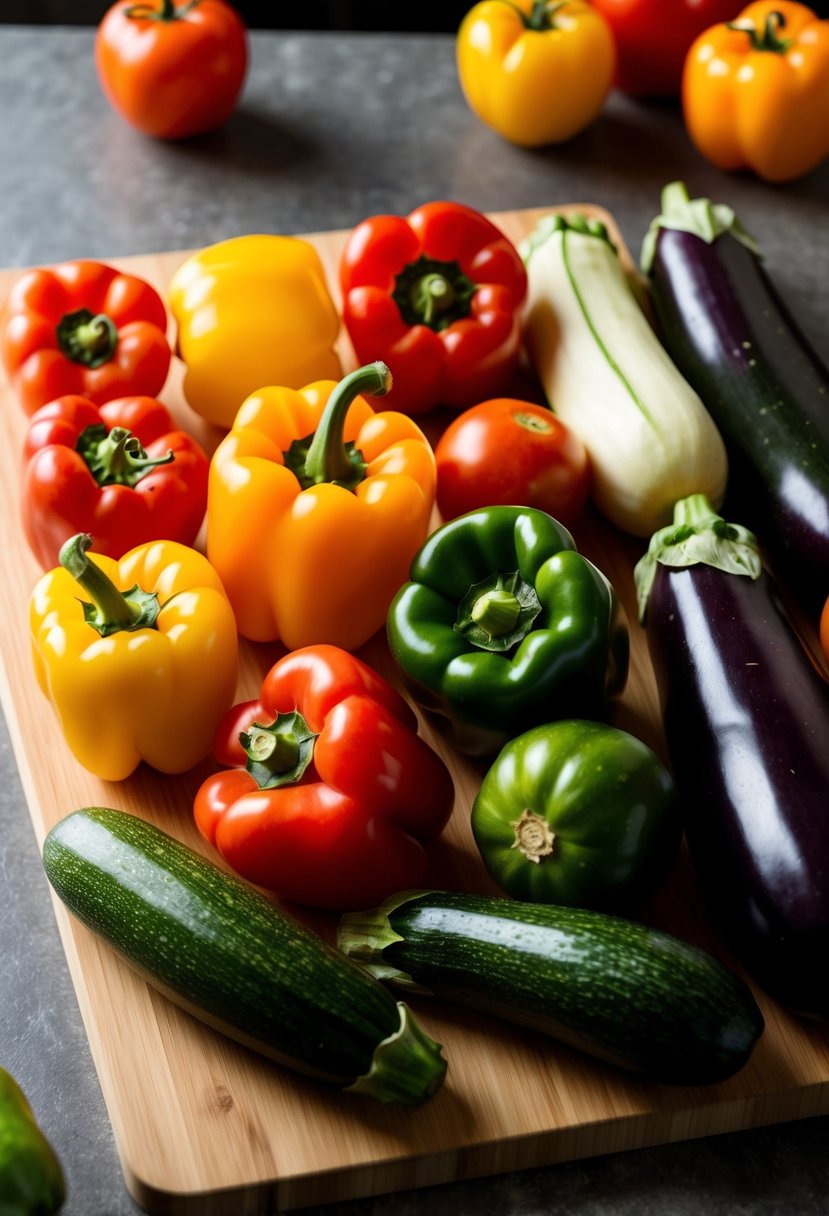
224	952
628	994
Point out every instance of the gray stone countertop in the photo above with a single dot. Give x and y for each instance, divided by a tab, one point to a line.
333	128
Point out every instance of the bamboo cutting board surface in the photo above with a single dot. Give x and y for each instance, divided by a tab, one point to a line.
206	1127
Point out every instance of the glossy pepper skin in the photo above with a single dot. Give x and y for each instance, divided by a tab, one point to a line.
537	72
172	69
121	471
652	39
504	625
316	505
437	296
755	91
580	814
250	312
147	668
338	794
85	328
31	1178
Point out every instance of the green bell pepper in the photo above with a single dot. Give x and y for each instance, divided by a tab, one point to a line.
577	813
503	625
31	1179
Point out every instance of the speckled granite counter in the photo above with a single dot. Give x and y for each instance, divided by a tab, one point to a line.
333	128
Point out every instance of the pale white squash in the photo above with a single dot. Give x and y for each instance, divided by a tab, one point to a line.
605	374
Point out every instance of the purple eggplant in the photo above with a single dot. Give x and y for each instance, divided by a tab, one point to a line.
733	338
746	715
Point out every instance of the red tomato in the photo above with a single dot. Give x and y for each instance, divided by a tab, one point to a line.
170	69
653	37
508	452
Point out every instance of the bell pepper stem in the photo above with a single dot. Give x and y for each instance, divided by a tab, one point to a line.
118	459
497	612
111	610
86	337
542	15
279	753
768	38
327	460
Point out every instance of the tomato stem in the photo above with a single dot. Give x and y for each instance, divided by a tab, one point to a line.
169	11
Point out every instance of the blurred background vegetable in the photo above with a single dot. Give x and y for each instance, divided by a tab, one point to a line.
169	69
536	71
755	91
653	36
31	1178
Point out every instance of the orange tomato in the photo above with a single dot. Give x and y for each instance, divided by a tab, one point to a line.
172	70
824	629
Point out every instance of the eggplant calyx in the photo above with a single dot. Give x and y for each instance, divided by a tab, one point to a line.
699	216
697	536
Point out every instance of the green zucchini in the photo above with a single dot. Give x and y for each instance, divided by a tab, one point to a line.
631	995
224	952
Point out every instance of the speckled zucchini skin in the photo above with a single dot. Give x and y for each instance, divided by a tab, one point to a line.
217	946
619	990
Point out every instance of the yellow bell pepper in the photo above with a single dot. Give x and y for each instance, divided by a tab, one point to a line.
536	71
147	669
316	506
755	91
250	311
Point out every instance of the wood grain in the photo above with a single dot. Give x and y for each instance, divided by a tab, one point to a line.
204	1126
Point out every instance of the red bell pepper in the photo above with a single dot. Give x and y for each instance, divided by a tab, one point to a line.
121	471
83	327
437	296
653	37
338	793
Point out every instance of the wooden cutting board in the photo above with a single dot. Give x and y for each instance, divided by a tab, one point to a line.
206	1127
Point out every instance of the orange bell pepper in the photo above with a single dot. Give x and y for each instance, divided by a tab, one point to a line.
316	506
755	91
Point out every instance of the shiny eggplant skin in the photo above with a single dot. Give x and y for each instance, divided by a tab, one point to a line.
746	717
767	389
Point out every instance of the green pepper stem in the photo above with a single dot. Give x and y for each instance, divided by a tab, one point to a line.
327	460
111	610
86	337
279	752
768	39
432	296
118	459
496	612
